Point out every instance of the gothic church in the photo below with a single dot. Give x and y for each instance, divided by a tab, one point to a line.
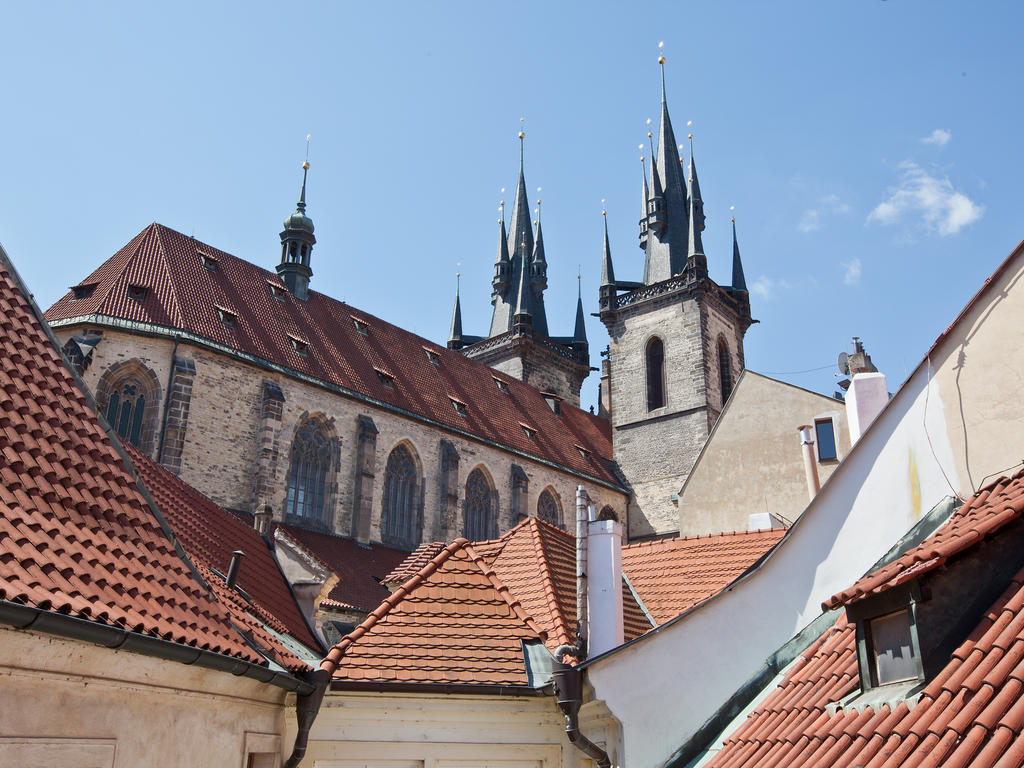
267	395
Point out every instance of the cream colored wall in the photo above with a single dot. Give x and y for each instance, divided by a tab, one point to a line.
753	461
68	703
443	731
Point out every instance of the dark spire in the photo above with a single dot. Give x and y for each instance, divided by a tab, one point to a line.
522	312
696	261
579	335
297	242
739	283
698	202
667	210
643	206
455	335
539	264
502	263
607	272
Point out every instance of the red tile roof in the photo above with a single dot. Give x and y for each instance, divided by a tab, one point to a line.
999	503
970	714
360	567
413	564
76	535
183	295
209	535
673	575
461	618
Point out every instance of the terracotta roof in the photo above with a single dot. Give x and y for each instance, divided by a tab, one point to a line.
673	575
999	503
210	534
76	535
360	568
182	294
970	714
461	618
413	564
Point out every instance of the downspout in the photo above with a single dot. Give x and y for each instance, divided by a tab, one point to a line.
568	679
307	706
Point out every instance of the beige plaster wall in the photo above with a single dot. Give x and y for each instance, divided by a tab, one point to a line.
753	460
68	703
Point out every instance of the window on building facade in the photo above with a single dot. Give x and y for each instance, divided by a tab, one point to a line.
825	435
480	520
399	520
126	409
655	374
548	508
724	370
308	472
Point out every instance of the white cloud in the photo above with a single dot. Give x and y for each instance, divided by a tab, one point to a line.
939	137
852	274
941	208
767	287
811	219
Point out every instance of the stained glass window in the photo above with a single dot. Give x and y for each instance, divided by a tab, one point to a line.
126	408
399	521
481	515
307	475
548	509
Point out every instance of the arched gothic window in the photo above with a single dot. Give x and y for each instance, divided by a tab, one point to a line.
608	514
308	471
548	508
724	370
480	520
126	408
655	374
400	519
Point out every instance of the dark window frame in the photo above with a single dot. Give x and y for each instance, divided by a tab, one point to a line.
830	422
654	369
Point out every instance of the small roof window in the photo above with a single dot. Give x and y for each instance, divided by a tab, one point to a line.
209	262
361	325
227	317
83	291
432	356
137	292
501	384
584	453
459	406
554	402
276	291
386	379
300	346
528	430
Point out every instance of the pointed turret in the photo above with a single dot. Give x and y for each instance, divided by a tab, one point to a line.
696	261
539	264
739	283
522	317
667	210
455	335
579	334
502	263
697	201
297	242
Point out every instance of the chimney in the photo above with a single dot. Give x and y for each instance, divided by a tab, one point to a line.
865	399
261	519
236	563
810	460
604	586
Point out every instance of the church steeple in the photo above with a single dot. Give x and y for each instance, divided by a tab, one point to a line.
579	334
739	283
455	335
502	263
667	212
297	241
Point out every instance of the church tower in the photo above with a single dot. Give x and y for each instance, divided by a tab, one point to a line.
519	343
297	242
676	339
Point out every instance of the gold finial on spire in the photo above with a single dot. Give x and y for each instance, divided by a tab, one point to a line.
690	136
661	56
733	208
604	211
522	133
305	163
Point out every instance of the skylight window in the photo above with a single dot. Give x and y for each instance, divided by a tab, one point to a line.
584	453
227	317
137	292
83	291
826	439
299	345
529	431
432	356
459	406
361	325
210	263
502	385
386	379
276	291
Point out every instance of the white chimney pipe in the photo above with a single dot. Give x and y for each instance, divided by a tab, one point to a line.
865	399
810	460
604	586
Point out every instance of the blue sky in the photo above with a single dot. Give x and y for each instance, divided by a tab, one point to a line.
872	150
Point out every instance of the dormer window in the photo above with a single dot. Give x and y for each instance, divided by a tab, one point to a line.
137	292
361	325
276	291
386	379
227	317
554	402
432	356
584	453
299	345
211	264
891	651
530	432
888	646
83	291
459	406
501	384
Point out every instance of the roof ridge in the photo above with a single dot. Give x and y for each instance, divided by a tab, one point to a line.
330	661
502	589
158	229
697	536
547	580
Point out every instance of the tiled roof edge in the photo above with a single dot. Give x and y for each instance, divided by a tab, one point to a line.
546	580
505	592
151	329
330	661
703	536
